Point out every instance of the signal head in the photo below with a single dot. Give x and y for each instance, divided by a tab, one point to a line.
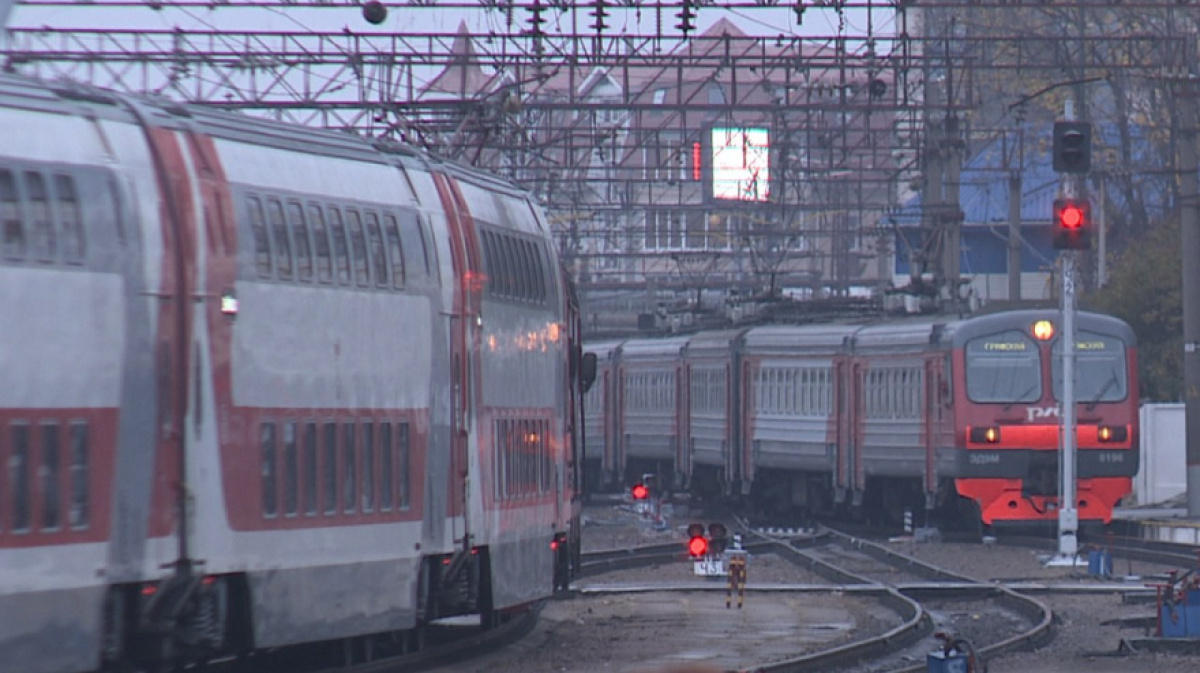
1072	224
697	546
1072	147
640	492
695	530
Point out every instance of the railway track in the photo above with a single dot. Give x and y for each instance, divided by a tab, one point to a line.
923	596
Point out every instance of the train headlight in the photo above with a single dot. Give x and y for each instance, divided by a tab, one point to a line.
988	435
1043	330
1112	433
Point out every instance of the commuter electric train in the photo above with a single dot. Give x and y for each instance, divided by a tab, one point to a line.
959	417
266	385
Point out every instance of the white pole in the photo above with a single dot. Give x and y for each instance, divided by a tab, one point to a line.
1068	516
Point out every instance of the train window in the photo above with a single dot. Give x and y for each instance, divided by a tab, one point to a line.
387	481
45	243
20	476
279	240
329	480
1004	367
291	470
316	220
262	241
114	192
69	217
539	272
77	516
426	253
512	268
10	217
403	477
375	245
531	284
368	467
358	247
304	263
341	251
1100	371
266	442
489	259
520	268
48	474
394	249
310	468
349	467
412	239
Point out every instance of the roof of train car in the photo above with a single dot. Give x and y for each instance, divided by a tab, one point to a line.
961	331
822	337
713	342
635	348
65	97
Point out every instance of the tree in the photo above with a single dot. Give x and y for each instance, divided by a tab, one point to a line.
1145	289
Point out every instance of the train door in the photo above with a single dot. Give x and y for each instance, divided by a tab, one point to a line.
932	404
683	434
173	333
464	258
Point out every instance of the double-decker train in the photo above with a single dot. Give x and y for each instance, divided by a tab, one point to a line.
958	416
266	385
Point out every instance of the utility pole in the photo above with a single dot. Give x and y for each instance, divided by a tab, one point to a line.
1014	234
1189	222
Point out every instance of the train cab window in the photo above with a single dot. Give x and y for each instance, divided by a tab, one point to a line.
20	477
316	221
386	468
279	240
375	245
11	227
304	262
266	442
310	469
403	475
1003	367
341	250
69	217
1099	368
262	240
368	467
395	250
291	470
349	467
78	514
45	243
358	248
329	478
48	475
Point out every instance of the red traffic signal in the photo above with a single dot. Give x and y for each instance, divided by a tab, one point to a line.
697	546
1072	224
640	492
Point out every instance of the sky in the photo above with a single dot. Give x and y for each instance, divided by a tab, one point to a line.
404	17
625	18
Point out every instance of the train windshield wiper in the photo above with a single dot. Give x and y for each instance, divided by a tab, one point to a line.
1021	398
1112	381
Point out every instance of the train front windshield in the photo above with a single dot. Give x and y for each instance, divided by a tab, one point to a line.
1099	369
1004	367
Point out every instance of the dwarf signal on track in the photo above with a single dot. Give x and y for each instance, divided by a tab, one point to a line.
697	544
640	492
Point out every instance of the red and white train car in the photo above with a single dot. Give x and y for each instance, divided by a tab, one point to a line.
267	385
954	414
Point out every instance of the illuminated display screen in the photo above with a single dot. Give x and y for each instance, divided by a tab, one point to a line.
741	166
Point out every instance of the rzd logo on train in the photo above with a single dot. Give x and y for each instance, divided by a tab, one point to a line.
1038	413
